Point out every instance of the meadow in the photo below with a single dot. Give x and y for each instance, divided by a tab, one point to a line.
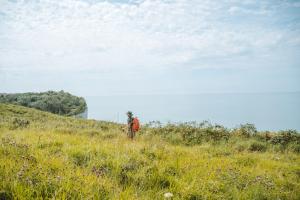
47	156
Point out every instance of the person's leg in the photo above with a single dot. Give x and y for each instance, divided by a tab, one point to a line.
133	132
130	133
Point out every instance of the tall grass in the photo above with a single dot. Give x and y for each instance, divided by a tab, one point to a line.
44	156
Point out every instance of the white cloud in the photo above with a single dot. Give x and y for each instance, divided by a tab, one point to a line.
150	34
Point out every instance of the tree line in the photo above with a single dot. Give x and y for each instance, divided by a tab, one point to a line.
62	103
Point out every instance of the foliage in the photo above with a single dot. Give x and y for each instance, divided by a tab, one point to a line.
246	130
286	137
258	146
19	123
189	133
62	103
56	157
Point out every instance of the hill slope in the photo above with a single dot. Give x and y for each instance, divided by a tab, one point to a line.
46	156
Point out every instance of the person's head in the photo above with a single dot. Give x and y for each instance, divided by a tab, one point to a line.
129	113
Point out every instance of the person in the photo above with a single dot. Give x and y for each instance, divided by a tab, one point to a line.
130	133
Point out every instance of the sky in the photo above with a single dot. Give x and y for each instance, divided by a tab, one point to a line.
116	47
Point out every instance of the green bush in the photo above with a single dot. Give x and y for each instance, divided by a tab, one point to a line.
296	148
286	137
240	147
19	123
247	130
257	146
189	133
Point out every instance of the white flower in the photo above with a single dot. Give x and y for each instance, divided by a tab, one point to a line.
168	195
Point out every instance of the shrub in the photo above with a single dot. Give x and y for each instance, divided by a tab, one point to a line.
240	147
257	146
19	123
295	148
286	137
247	130
264	136
218	133
190	133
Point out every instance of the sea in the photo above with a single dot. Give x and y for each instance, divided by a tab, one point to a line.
267	111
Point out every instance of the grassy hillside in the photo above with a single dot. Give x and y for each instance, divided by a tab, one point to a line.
45	156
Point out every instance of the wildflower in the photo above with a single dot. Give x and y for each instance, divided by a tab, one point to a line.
168	195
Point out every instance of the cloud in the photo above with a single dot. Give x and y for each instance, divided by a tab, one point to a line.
141	35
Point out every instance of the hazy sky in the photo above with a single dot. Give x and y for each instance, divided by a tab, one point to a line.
97	47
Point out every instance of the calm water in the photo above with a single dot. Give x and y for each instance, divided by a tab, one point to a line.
275	111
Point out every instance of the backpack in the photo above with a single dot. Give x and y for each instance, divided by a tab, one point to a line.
136	124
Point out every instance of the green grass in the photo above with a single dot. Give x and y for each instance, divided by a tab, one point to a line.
45	156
